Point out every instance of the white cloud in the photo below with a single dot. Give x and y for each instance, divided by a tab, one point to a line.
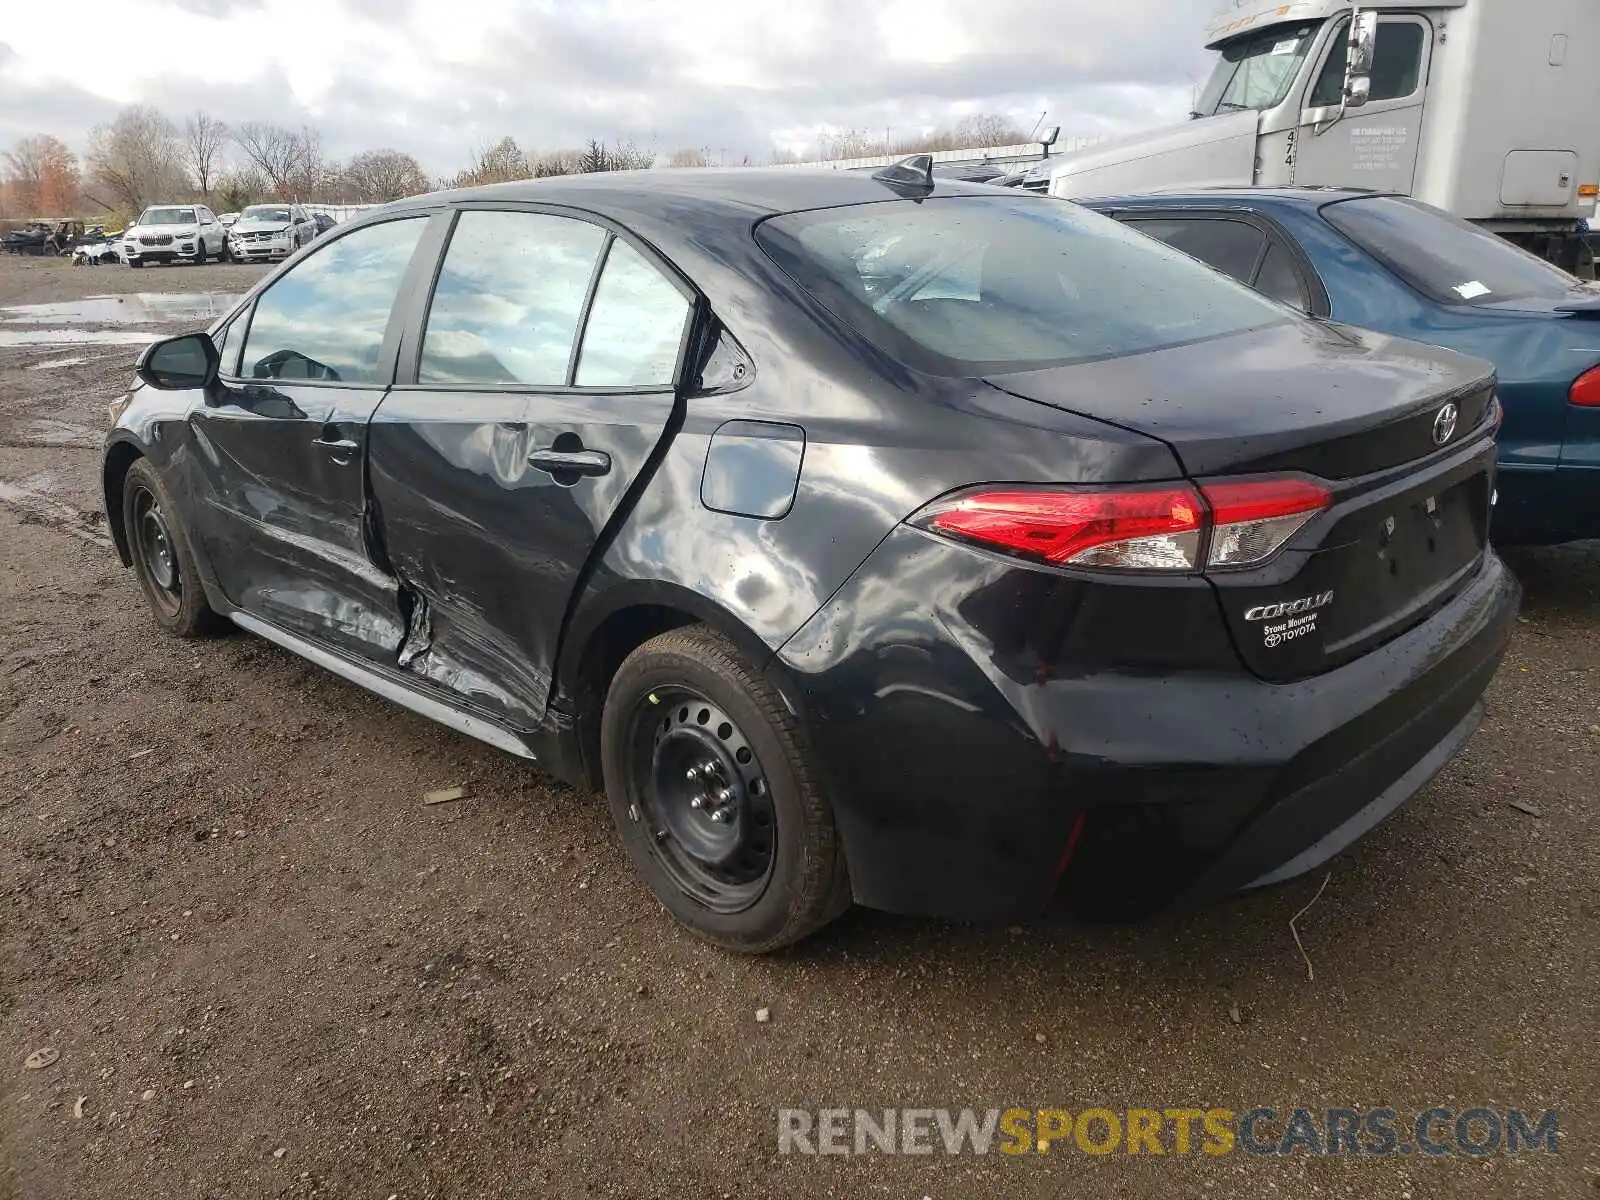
439	77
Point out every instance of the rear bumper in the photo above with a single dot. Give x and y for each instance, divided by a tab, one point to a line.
980	776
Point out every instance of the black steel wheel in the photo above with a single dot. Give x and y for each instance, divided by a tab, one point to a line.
704	798
162	558
717	795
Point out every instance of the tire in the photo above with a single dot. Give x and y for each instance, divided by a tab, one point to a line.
163	559
770	870
200	253
136	263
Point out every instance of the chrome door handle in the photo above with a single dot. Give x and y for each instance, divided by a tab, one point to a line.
570	462
341	450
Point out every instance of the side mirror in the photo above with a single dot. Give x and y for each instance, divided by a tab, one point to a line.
1360	57
176	364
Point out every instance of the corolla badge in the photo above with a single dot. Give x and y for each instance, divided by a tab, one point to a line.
1289	608
1444	424
1289	620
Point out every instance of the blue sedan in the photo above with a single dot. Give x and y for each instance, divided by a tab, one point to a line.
1402	267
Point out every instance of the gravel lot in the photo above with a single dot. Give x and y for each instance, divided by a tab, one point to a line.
269	970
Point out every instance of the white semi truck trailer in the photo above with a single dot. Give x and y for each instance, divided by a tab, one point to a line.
1489	109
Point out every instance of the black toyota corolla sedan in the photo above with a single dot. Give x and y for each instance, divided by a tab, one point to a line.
871	539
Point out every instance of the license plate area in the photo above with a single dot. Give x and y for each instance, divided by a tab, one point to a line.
1410	547
1385	558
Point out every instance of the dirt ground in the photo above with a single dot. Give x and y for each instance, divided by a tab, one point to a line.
269	970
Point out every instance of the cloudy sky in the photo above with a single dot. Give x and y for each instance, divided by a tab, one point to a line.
441	77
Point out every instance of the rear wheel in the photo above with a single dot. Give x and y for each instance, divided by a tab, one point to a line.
717	794
162	557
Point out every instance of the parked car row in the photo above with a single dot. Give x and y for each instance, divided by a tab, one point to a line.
192	233
872	539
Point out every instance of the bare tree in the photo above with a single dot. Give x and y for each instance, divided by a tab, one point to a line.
378	176
315	178
500	163
43	174
203	139
557	162
847	143
136	157
286	158
690	156
240	187
987	129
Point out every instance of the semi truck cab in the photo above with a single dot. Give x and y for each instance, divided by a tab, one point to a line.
1489	109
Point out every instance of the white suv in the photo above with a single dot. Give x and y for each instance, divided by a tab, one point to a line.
175	233
268	231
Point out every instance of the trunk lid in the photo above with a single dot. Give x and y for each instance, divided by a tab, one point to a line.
1326	399
1402	434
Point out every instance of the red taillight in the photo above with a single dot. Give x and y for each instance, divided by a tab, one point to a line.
1134	529
1152	530
1586	389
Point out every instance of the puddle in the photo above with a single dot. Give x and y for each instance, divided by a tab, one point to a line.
51	364
140	308
77	337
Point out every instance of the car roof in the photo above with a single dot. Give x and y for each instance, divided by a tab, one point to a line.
1221	197
659	192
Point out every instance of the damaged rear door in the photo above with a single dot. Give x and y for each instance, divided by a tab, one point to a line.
279	442
531	402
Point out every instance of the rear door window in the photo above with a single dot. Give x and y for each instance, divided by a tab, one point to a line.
971	285
327	317
509	300
1232	247
635	327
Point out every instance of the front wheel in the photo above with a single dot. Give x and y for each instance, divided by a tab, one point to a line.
162	557
136	263
200	254
717	794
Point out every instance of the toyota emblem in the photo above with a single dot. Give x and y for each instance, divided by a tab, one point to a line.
1444	425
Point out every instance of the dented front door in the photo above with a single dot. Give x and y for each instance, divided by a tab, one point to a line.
544	383
279	445
284	510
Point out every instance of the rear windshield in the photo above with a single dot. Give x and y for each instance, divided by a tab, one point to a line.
1445	257
168	216
978	285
